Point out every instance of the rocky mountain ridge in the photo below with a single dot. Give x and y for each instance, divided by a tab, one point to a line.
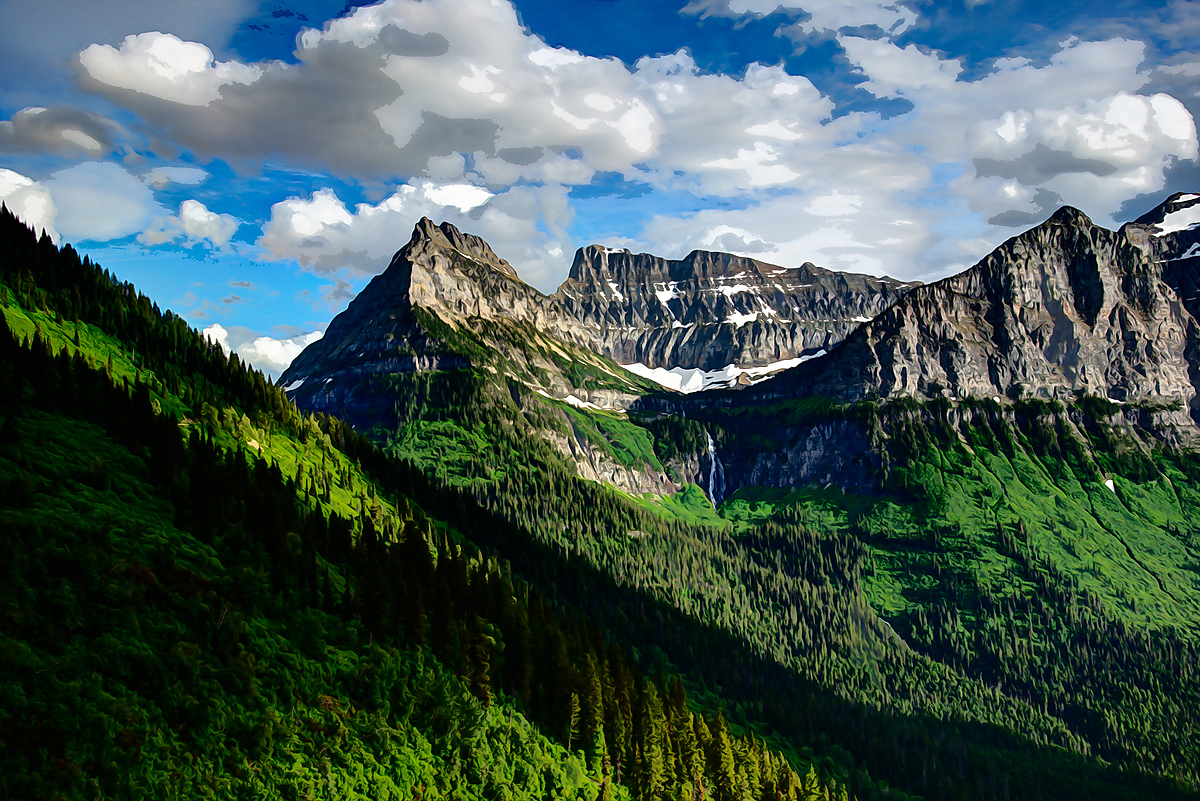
1065	309
711	310
710	317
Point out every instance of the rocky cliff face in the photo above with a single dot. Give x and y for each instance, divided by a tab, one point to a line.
445	302
1064	309
707	312
710	310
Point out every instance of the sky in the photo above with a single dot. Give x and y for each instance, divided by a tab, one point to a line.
251	164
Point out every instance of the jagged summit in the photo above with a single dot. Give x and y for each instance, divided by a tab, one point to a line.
708	317
599	263
715	312
446	236
1064	309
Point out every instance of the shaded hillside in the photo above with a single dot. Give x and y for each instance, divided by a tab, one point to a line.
204	592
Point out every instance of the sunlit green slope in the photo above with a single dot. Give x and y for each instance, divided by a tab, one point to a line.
204	592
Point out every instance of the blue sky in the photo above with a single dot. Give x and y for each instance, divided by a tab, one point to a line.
252	163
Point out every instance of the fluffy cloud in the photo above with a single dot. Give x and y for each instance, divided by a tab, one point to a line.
408	88
1076	128
164	66
30	201
490	127
270	354
382	91
321	233
194	222
59	130
100	201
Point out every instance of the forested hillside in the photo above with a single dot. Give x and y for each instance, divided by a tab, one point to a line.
204	593
207	591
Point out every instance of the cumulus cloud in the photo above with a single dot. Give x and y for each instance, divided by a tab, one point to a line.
195	223
30	201
60	130
898	72
164	66
321	233
38	40
272	355
100	201
490	128
385	89
1075	127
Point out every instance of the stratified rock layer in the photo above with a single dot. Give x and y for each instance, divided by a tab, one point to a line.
710	310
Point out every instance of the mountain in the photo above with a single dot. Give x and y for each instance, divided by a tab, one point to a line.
1001	462
207	590
713	311
1064	310
706	319
204	592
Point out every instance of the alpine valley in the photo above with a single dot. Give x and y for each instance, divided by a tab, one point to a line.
698	529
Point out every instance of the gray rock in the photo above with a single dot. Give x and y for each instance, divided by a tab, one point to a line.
1067	308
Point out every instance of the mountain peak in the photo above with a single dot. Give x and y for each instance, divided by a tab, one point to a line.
1069	215
446	237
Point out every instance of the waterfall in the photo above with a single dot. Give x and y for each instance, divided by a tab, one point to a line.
716	474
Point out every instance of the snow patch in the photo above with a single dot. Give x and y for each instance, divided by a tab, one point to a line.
739	319
616	292
580	404
294	385
860	319
1109	483
1194	250
669	292
1180	220
735	289
693	379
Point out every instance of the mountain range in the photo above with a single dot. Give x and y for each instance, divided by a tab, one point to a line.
706	528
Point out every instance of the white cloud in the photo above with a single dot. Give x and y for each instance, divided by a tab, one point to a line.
185	176
270	354
323	234
100	201
220	335
194	222
30	201
274	355
491	127
835	204
891	16
164	66
414	81
896	72
463	197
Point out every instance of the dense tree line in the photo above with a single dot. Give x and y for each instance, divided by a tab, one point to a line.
774	620
402	578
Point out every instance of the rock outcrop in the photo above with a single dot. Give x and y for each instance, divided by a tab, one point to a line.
1065	309
710	310
707	311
